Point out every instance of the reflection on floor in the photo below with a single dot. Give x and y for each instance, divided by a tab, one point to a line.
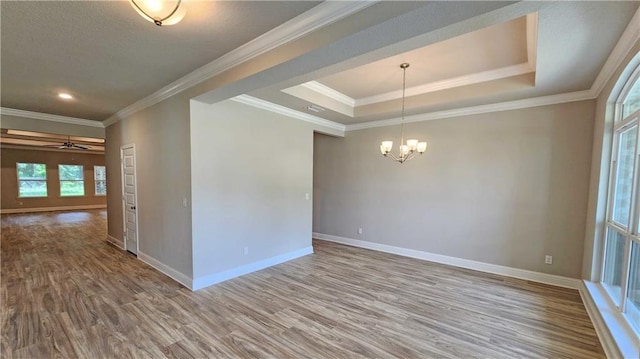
67	293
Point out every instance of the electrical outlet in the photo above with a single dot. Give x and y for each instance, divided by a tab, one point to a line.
359	230
548	259
246	250
307	196
184	202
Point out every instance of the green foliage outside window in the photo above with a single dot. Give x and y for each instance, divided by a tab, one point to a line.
32	179
71	180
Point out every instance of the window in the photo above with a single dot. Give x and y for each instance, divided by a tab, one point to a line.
621	257
100	177
71	180
32	180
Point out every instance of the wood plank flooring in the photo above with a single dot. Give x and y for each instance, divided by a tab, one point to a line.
67	293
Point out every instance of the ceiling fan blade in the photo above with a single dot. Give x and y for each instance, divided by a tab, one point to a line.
79	147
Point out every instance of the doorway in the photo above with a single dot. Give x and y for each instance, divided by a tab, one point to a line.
129	198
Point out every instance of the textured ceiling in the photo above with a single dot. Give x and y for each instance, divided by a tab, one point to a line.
108	57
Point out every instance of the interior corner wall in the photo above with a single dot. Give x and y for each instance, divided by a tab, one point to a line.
250	172
504	188
9	191
160	134
598	188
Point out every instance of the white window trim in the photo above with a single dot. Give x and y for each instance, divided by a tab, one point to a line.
46	180
95	181
60	180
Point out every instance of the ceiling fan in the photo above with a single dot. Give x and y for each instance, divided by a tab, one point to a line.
69	145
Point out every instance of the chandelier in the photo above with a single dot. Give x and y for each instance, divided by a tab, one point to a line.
412	147
159	12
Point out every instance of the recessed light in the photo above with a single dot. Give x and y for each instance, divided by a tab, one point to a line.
65	96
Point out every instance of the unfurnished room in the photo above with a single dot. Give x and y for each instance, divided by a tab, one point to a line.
320	179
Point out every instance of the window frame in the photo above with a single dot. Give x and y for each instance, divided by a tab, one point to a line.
96	180
60	181
46	180
632	231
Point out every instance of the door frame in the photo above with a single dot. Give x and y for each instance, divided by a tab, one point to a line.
122	199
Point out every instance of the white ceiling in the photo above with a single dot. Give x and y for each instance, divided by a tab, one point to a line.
108	57
461	54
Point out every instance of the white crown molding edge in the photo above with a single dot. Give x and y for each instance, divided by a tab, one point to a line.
215	278
49	117
52	209
474	110
464	80
165	269
272	107
545	278
630	35
315	18
329	92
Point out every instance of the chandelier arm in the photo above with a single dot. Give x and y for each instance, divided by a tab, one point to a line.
153	19
142	11
173	12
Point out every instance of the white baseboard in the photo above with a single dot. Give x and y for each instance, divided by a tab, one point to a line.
165	269
52	209
116	242
556	280
211	279
616	335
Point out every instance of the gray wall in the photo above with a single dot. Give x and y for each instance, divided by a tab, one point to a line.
251	170
161	136
504	188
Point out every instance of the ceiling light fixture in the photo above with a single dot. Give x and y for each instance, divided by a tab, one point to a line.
160	12
412	147
65	96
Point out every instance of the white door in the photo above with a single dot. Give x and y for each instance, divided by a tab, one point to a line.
129	199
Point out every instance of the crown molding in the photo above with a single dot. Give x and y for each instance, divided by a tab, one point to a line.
315	18
629	37
329	92
49	117
272	107
464	80
474	110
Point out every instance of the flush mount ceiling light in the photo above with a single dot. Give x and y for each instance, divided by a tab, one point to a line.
160	12
412	147
65	96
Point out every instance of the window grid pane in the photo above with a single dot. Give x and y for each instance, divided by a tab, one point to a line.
614	263
71	180
631	103
624	176
32	179
633	291
100	177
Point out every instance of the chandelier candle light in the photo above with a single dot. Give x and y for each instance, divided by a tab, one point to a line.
412	147
160	12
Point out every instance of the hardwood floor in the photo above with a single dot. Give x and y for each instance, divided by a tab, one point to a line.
67	293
